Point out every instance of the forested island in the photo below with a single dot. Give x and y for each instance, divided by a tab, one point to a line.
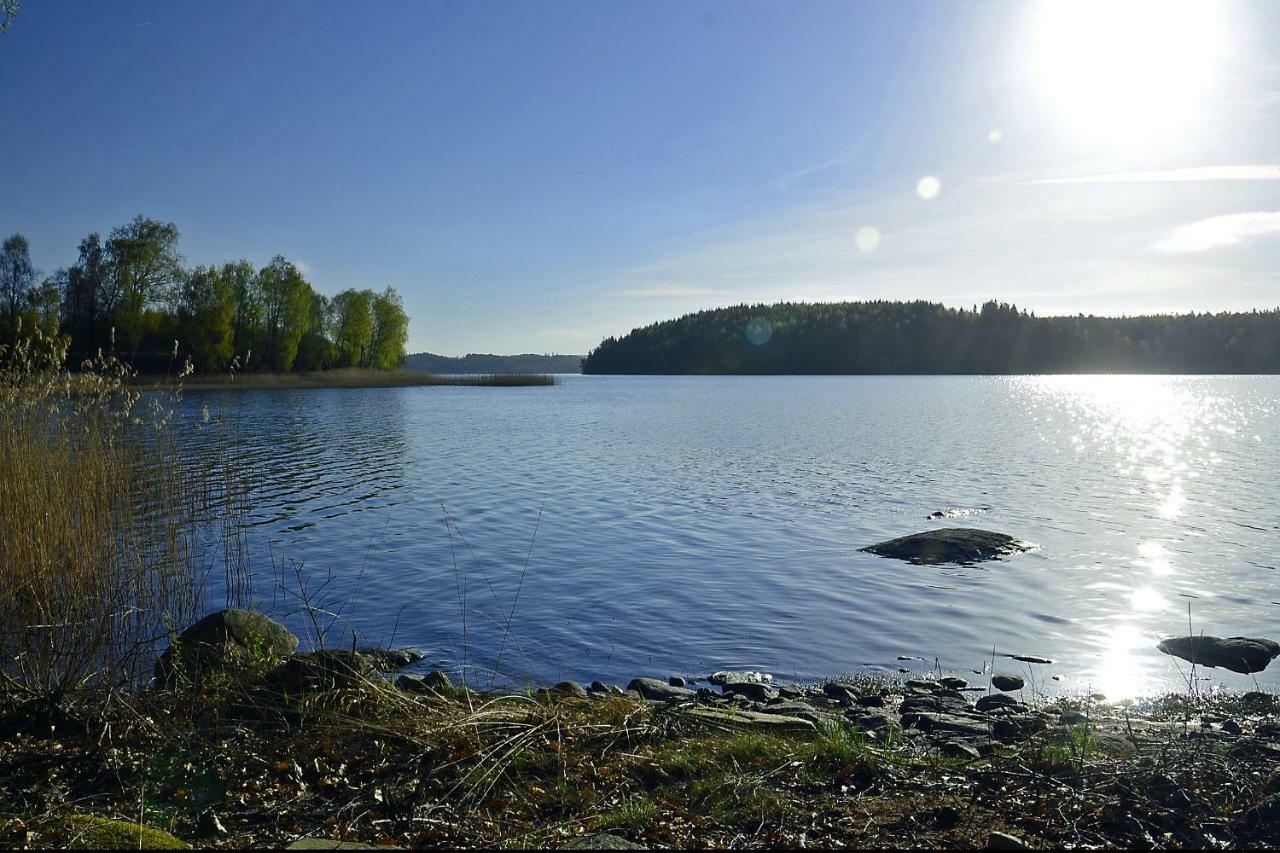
131	294
884	337
475	363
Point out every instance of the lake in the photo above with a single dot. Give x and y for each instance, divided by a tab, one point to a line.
626	526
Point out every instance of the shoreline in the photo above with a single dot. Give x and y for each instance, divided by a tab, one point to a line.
345	378
335	745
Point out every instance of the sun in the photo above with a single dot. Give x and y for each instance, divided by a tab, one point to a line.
1125	70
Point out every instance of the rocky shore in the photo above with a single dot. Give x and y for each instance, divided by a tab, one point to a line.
244	741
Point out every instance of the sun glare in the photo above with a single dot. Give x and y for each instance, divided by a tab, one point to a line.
1121	70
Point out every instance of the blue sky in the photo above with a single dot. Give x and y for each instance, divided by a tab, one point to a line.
535	176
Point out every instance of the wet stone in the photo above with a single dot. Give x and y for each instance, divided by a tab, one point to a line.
653	689
1005	681
996	700
754	691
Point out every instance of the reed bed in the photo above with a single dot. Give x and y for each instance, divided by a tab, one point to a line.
101	518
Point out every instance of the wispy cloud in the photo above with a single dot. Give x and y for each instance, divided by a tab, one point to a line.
1219	231
787	180
303	266
1198	173
664	292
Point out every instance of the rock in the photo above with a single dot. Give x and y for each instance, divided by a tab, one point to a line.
1032	659
569	688
751	690
1257	697
223	640
995	700
873	722
1004	841
936	703
959	749
929	721
741	718
1015	728
840	692
603	841
598	687
652	688
953	682
388	660
1072	718
309	843
318	671
791	708
677	681
1238	654
872	700
731	677
99	833
433	682
922	684
1231	727
962	545
1004	681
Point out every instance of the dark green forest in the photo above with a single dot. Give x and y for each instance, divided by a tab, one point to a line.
929	338
131	294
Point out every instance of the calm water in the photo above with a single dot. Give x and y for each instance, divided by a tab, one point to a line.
687	524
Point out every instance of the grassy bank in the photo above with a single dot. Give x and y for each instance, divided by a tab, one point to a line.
344	378
236	765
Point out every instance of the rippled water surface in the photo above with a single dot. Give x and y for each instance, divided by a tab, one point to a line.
626	526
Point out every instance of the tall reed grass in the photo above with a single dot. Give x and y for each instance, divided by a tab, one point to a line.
101	517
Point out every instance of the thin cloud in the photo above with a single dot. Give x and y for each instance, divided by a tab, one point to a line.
664	292
1217	232
1199	173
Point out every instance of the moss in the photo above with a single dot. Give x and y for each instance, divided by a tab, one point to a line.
98	833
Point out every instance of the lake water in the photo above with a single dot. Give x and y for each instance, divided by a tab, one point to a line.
627	526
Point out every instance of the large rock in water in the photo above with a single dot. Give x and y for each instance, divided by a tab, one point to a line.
1238	654
950	545
227	639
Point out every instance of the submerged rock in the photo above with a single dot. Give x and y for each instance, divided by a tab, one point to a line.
1238	654
963	545
386	660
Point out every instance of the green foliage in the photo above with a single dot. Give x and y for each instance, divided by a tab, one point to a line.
206	310
17	280
133	291
924	337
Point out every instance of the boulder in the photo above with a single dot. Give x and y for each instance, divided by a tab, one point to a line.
653	689
953	682
961	545
1238	654
229	639
677	681
791	708
1005	681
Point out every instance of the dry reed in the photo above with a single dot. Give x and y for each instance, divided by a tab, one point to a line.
101	516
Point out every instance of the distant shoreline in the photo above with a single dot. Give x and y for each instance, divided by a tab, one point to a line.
343	378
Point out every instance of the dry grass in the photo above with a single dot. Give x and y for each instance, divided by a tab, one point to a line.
355	378
99	521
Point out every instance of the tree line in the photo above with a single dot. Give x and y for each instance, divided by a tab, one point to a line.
132	294
929	338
